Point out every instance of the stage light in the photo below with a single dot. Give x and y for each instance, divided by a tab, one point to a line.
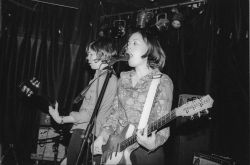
162	21
177	19
143	17
119	29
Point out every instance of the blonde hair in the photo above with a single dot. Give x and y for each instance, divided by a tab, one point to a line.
103	47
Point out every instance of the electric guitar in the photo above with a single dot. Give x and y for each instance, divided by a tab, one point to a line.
119	147
29	89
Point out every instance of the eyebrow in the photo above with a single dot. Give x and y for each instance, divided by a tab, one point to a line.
135	39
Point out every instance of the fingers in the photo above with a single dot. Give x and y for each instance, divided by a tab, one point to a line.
96	148
56	105
138	137
153	135
143	138
145	141
54	111
145	133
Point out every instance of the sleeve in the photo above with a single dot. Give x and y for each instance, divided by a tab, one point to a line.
162	106
84	115
108	101
81	116
113	121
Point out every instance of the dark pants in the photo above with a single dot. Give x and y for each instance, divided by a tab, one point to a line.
142	157
74	149
75	146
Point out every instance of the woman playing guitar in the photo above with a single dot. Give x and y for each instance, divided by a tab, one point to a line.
147	58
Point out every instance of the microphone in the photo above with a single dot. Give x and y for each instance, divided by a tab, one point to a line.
122	56
115	59
112	60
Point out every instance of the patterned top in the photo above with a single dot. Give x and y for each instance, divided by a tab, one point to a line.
129	103
83	116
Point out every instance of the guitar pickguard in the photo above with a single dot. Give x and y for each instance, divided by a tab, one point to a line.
112	154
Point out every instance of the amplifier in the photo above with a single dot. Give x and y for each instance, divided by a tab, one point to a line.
205	159
49	145
45	119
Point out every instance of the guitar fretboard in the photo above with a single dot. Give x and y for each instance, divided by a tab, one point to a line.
152	127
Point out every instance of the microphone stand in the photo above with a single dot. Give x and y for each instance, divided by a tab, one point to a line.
86	134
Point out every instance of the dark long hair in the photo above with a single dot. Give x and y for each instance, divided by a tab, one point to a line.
155	54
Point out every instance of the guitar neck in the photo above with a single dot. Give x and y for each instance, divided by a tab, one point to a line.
156	125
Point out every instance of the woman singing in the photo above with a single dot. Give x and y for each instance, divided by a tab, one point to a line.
146	59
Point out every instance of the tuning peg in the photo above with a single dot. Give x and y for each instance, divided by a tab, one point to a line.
38	84
35	82
30	93
24	87
33	79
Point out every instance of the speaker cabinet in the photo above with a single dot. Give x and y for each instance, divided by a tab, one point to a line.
49	145
205	159
45	120
189	136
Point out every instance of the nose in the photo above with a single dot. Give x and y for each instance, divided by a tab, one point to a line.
128	51
87	57
128	45
128	48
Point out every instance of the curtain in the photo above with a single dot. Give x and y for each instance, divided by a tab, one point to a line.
46	42
208	55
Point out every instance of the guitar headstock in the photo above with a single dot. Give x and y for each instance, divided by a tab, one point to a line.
30	87
195	107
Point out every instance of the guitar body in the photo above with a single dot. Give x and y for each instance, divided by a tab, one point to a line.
112	154
119	147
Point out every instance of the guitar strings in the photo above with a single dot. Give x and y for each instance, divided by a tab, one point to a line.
151	127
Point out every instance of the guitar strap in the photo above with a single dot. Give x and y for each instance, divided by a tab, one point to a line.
148	103
82	94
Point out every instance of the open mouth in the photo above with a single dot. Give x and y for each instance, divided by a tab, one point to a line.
130	54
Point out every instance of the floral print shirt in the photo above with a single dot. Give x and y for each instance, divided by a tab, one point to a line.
129	103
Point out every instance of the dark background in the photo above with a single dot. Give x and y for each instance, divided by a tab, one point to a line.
209	54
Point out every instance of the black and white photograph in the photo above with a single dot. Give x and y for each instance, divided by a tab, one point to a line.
124	82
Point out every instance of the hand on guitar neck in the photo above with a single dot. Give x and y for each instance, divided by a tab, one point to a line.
146	141
53	111
29	90
117	149
55	114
